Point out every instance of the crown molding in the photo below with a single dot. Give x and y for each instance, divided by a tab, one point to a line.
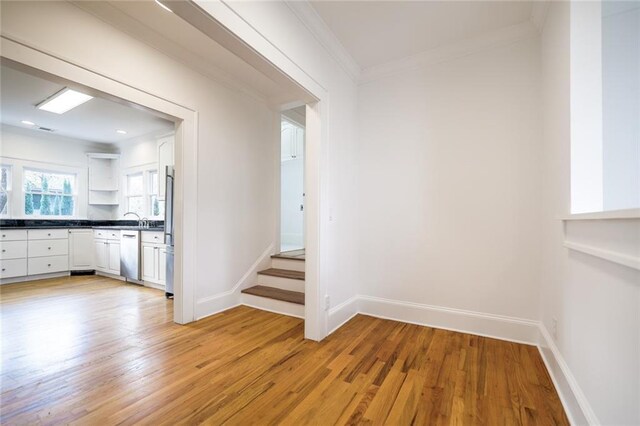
539	14
323	34
450	51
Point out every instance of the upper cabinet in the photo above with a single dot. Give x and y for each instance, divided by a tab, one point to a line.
292	142
104	178
165	158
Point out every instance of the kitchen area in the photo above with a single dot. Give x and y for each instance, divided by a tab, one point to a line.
86	186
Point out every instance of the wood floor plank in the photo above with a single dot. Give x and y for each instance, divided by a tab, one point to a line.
92	350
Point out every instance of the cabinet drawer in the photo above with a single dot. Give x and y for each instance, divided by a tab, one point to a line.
152	237
48	234
13	234
106	234
47	265
40	248
13	268
13	249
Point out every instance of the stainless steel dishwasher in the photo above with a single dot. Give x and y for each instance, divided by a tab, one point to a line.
130	255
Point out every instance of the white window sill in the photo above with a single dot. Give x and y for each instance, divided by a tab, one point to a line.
610	215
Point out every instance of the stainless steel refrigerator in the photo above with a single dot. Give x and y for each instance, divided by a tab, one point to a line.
169	229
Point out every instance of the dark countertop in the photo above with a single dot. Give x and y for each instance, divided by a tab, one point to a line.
132	228
154	225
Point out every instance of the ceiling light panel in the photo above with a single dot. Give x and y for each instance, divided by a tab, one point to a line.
63	101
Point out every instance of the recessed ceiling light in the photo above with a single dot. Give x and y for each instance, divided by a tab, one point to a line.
122	132
28	123
163	6
63	101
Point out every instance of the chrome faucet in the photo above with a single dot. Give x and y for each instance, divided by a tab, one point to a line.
140	221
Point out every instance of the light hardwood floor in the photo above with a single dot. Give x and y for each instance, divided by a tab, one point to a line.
91	350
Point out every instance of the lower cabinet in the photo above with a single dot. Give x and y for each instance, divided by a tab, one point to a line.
154	261
107	256
81	252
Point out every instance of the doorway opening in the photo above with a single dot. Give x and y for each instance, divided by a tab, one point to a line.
82	175
292	157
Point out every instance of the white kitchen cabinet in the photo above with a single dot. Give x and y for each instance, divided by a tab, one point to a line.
292	142
81	252
48	251
101	255
149	263
154	258
114	258
13	268
107	255
165	158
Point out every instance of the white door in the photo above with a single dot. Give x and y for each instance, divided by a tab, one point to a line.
149	263
292	187
102	256
114	258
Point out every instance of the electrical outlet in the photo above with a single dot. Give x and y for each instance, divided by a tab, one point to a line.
327	302
554	328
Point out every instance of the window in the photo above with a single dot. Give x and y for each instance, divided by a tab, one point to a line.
604	66
620	105
135	193
49	193
5	190
156	206
142	194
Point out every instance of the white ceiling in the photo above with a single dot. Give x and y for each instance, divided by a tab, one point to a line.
377	32
96	120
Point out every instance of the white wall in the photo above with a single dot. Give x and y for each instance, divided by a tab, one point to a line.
621	105
30	148
139	151
596	302
236	148
449	188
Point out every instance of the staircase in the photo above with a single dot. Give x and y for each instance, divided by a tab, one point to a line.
280	288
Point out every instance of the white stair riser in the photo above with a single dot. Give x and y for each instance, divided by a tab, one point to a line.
271	305
279	282
291	265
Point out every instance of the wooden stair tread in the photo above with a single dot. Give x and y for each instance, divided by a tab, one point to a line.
283	273
276	293
290	255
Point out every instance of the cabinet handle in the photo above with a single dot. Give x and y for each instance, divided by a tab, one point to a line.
4	235
48	264
49	234
49	248
4	251
3	269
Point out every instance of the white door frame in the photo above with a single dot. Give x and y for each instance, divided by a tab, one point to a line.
186	145
221	23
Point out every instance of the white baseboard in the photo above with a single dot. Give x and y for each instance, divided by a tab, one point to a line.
211	305
342	313
488	325
575	403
